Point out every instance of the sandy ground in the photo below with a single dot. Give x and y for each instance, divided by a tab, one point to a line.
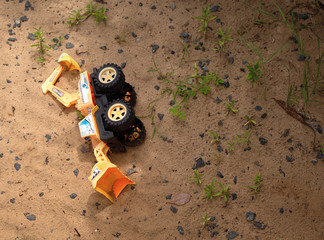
41	148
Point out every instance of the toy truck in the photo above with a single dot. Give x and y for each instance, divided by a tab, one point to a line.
106	101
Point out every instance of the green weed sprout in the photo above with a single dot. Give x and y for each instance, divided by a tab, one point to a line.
209	190
41	46
197	177
224	37
205	18
77	17
230	108
80	116
216	137
322	149
231	146
58	43
254	72
250	121
223	192
205	219
257	183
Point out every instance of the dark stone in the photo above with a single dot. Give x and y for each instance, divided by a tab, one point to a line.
259	225
174	209
247	149
169	197
17	166
235	179
184	35
172	103
12	39
231	235
202	135
231	60
214	9
116	235
258	108
289	159
30	217
319	154
66	36
301	57
130	171
218	20
173	6
73	195
157	88
264	115
41	194
123	65
31	36
303	16
153	7
218	100
250	216
160	116
69	45
220	123
199	163
215	233
180	229
281	210
219	174
219	148
263	141
103	48
8	81
11	32
12	200
319	129
46	161
48	137
293	39
226	84
76	172
212	219
289	140
186	24
234	196
226	76
120	51
84	212
27	4
24	19
155	47
244	62
242	69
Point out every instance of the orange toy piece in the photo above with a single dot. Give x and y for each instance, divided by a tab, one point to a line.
118	129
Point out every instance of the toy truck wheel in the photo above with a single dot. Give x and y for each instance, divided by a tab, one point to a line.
109	78
136	134
129	94
119	115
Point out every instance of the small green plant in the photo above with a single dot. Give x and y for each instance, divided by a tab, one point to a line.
223	38
80	116
257	183
205	219
245	138
205	18
230	107
322	149
197	177
209	190
250	121
216	138
77	17
231	146
254	72
41	46
223	192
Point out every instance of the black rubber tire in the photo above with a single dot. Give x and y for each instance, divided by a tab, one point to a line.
138	127
129	94
115	83
119	115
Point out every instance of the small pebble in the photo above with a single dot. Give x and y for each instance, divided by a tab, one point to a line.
242	69
214	9
12	39
17	166
157	88
281	210
120	51
160	116
289	159
173	209
220	123
123	65
184	35
212	219
219	148
199	163
73	195
319	154
250	216
301	57
226	76
172	103
303	16
231	60
215	233
169	197
8	81
259	225
31	217
264	115
153	7
263	141
231	235
12	200
66	36
69	45
319	129
24	19
46	161
76	172
31	36
48	137
234	196
130	171
219	174
180	229
155	47
103	48
41	194
258	108
235	179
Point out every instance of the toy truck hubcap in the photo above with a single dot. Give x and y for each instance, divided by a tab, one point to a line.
117	112
107	75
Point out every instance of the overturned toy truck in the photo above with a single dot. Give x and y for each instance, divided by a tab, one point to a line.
106	101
